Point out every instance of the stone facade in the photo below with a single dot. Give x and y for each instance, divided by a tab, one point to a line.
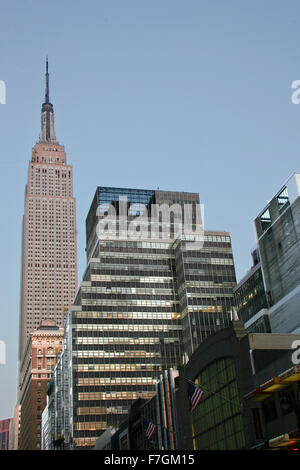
42	350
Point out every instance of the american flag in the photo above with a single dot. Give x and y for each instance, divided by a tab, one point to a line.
195	396
149	428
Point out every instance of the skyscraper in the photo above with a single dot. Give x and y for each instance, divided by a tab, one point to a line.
148	296
49	252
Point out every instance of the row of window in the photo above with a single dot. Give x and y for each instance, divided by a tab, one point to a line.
124	340
120	381
134	315
126	327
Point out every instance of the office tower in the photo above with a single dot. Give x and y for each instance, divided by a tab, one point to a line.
278	237
5	430
251	300
49	258
206	278
148	293
41	353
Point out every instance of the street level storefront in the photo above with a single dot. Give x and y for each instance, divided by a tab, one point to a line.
280	401
250	393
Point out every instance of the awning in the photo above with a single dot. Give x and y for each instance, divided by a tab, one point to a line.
280	382
287	440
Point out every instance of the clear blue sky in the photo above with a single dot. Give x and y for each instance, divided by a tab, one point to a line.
190	95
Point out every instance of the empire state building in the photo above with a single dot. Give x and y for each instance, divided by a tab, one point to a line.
49	248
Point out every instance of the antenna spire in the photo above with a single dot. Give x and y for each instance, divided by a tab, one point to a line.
47	83
48	134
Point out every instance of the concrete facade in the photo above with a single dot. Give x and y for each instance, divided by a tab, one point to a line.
278	233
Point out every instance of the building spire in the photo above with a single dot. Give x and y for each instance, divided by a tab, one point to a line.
47	134
47	83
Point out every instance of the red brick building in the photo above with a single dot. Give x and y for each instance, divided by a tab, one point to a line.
5	426
41	352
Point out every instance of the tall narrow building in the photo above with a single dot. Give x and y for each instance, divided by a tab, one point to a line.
49	252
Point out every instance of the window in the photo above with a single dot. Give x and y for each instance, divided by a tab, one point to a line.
286	400
265	220
218	423
282	198
269	410
257	423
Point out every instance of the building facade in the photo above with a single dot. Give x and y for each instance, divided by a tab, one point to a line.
251	392
205	279
42	350
218	368
278	237
57	419
15	429
251	300
250	398
274	395
159	412
104	441
142	300
5	433
49	257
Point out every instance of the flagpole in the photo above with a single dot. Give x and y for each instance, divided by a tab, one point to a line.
156	424
160	425
207	389
200	387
